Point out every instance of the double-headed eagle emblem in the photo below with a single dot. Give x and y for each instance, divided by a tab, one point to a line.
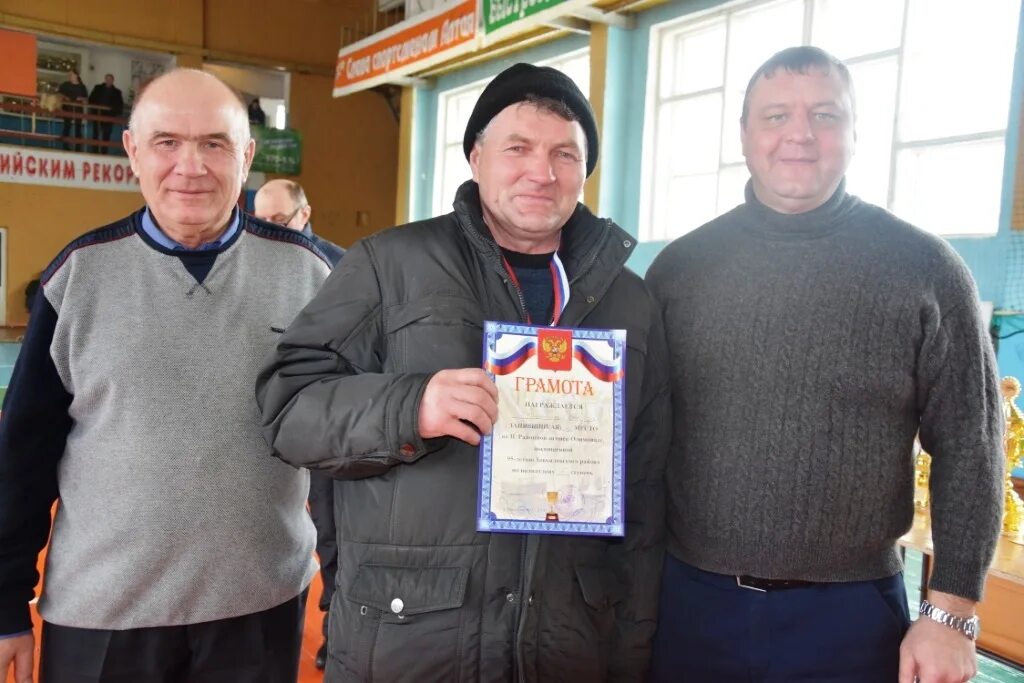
554	349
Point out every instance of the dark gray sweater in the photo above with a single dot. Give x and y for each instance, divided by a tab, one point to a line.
806	352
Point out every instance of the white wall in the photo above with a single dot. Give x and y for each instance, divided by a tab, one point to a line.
103	62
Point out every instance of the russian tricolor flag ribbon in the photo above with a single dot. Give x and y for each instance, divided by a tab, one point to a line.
510	362
603	370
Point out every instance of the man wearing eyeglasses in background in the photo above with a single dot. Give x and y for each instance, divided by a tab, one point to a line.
284	202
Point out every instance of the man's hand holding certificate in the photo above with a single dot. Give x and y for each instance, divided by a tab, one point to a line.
553	461
460	403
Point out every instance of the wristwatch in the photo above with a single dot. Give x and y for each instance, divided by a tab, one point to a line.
969	627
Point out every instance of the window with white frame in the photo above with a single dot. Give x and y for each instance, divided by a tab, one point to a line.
453	109
932	81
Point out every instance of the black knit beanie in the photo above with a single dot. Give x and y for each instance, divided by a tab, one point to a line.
514	84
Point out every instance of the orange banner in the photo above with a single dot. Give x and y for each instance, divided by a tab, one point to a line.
18	56
412	45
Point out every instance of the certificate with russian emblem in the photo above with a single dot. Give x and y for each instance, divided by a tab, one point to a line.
554	461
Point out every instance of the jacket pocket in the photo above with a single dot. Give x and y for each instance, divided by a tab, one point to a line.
406	591
595	623
434	333
418	618
599	586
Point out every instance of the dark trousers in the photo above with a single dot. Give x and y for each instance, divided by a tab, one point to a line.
321	509
101	131
711	630
255	648
70	125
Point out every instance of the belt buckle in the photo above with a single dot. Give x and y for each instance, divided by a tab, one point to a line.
739	582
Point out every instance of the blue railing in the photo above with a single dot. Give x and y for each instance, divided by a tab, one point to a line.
24	122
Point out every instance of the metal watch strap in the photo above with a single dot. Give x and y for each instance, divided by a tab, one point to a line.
968	626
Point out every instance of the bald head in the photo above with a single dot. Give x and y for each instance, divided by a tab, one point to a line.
190	148
201	85
283	202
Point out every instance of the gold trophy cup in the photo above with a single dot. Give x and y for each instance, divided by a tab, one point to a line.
922	473
551	516
1013	507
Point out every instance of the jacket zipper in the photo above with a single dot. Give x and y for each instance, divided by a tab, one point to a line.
516	650
519	294
520	673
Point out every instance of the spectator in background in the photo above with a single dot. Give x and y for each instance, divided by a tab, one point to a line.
72	90
109	96
284	202
31	289
257	116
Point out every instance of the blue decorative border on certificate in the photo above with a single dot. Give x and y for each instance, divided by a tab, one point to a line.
615	525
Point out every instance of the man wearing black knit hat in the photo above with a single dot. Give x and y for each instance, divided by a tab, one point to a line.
378	383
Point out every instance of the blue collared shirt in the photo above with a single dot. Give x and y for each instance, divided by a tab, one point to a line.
154	232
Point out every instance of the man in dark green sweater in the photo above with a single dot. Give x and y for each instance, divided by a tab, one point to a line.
812	336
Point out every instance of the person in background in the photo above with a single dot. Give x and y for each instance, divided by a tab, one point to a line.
181	550
283	202
108	95
257	116
813	335
31	289
72	90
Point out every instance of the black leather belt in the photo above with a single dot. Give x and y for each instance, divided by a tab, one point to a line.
765	585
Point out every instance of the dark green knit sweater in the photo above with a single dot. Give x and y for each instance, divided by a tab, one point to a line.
807	351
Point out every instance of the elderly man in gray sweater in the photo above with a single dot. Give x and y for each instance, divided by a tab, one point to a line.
812	337
181	551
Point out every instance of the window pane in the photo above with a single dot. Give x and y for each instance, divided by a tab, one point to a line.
958	63
450	167
459	107
687	203
688	134
452	172
731	183
754	36
451	116
951	189
874	85
850	28
691	60
757	34
732	148
577	68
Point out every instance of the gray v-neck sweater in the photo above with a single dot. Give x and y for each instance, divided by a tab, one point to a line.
172	510
806	352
